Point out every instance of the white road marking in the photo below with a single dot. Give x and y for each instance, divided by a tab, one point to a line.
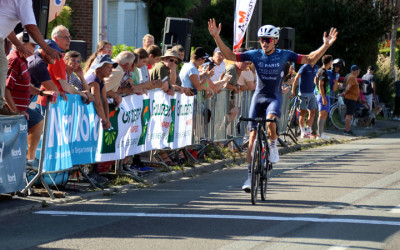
396	210
222	216
337	248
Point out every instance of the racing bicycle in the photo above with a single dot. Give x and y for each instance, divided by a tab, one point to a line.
260	166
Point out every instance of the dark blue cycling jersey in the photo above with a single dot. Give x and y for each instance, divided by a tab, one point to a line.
270	69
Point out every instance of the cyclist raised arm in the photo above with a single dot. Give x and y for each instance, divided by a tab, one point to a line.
270	64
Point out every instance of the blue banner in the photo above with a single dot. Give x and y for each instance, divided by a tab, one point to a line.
73	130
13	145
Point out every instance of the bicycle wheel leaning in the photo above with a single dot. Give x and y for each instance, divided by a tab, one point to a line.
264	172
337	116
255	174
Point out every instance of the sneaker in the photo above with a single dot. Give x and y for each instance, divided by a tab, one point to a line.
349	133
32	164
142	169
247	184
5	111
323	137
273	154
130	169
304	136
98	178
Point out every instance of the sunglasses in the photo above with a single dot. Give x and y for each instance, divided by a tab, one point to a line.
172	60
75	60
266	39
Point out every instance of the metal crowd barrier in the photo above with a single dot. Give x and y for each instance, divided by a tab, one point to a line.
41	171
211	117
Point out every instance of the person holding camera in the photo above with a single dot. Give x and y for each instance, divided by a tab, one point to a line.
190	75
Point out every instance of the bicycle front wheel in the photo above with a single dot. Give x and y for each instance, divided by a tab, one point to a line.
265	170
255	174
337	115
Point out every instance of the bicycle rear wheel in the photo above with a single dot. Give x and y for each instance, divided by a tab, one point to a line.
255	174
338	116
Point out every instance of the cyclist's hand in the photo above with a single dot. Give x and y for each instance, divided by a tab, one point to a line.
292	95
213	28
331	38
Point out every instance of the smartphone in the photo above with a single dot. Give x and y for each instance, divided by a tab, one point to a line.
164	79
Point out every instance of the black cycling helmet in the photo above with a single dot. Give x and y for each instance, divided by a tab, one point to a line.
339	62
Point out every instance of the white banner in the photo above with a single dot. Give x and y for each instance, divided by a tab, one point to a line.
144	123
243	12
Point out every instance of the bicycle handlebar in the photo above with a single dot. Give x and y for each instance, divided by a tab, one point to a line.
257	120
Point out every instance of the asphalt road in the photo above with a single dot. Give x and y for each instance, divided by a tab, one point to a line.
343	196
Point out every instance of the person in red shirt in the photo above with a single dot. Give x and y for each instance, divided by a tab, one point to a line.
62	39
18	96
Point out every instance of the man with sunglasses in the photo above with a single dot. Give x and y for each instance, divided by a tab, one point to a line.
270	64
167	68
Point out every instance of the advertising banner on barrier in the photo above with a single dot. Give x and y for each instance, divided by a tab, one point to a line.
73	131
139	124
13	145
144	123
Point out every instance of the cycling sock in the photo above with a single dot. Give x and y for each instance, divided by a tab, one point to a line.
308	130
321	124
303	130
249	168
273	143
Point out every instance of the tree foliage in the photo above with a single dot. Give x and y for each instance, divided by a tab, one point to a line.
360	23
64	18
158	10
222	11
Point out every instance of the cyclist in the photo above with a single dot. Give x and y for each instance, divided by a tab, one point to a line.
270	64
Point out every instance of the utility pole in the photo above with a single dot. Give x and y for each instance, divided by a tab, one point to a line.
393	40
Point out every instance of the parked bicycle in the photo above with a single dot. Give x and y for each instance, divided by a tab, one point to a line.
337	113
260	166
293	124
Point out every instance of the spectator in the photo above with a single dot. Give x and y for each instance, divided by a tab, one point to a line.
115	83
305	78
217	62
138	82
167	68
248	78
75	75
369	90
190	75
13	12
180	50
62	38
396	111
17	94
103	48
38	69
324	91
143	59
235	70
148	40
102	70
154	56
351	94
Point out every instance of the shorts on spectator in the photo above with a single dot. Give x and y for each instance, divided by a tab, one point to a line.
34	117
350	106
41	109
322	107
308	101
